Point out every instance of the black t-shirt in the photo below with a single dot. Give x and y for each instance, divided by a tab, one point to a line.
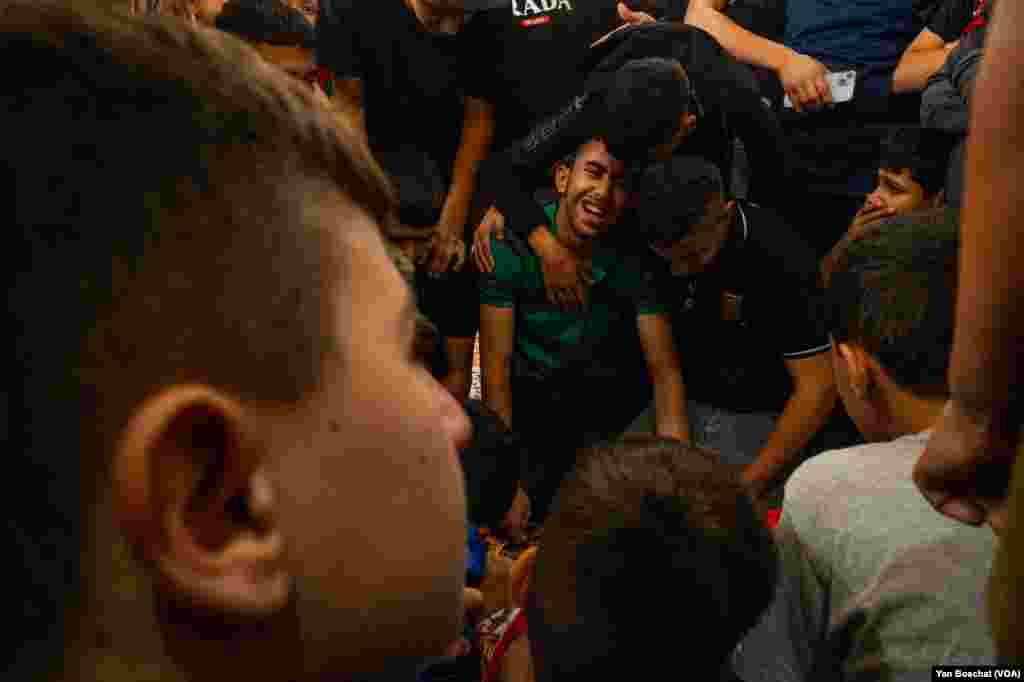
411	94
761	305
953	16
525	57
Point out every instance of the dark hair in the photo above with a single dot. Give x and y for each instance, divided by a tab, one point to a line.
673	196
892	291
266	21
636	516
643	103
922	151
491	465
159	232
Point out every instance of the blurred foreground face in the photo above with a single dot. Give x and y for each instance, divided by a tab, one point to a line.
369	488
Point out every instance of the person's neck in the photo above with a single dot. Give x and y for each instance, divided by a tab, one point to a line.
567	237
910	413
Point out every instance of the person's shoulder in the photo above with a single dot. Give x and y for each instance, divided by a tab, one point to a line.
779	248
511	256
840	477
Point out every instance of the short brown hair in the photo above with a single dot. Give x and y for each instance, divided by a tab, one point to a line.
642	527
162	181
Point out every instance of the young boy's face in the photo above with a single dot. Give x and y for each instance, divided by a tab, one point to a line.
368	485
345	552
897	191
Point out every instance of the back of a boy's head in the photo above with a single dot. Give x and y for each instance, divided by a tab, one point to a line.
673	196
491	466
266	21
644	102
159	232
643	534
922	151
893	292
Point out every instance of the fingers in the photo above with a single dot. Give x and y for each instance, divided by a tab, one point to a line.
482	244
499	226
823	89
459	255
794	99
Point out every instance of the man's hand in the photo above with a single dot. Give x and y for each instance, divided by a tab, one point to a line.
493	223
965	470
446	251
869	213
629	18
566	279
804	80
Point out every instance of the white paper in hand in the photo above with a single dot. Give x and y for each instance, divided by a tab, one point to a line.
841	83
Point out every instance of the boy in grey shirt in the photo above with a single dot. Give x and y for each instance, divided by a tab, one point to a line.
874	584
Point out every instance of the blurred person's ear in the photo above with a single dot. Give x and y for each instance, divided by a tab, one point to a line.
192	498
856	368
562	173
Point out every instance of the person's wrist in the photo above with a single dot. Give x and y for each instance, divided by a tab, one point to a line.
785	58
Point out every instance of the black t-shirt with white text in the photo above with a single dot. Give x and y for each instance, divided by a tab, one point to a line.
411	92
525	58
736	325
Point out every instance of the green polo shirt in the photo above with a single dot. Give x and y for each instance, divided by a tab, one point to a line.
552	338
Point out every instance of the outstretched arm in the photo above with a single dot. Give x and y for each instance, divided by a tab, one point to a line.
806	411
802	76
666	375
973	444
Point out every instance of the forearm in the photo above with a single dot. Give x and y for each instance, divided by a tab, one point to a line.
670	407
984	365
497	389
477	135
916	67
803	416
743	45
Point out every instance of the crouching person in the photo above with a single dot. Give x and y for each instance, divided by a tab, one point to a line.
563	378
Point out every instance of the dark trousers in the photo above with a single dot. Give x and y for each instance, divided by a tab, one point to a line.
558	416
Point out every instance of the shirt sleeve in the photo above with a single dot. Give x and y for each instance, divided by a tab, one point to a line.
748	118
500	288
476	70
802	330
337	38
951	18
649	295
791	292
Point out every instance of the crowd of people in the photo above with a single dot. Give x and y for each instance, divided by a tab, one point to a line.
742	280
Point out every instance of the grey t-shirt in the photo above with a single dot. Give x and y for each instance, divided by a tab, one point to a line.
874	584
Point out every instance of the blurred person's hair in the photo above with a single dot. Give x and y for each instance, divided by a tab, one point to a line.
642	526
267	21
892	291
922	151
642	105
491	465
672	196
142	157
